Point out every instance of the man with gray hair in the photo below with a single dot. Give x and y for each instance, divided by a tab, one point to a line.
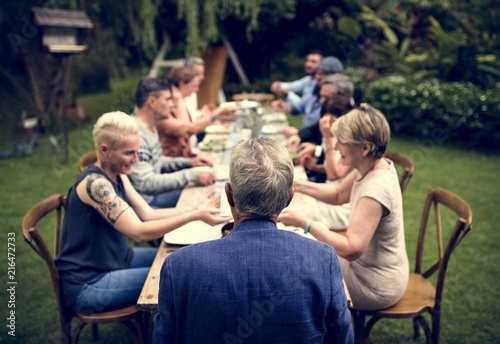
338	88
258	284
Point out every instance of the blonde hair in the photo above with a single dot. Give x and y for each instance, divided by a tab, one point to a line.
364	124
112	127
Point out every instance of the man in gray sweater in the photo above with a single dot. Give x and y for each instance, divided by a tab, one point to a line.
160	179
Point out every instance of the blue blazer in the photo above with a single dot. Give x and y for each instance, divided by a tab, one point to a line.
258	284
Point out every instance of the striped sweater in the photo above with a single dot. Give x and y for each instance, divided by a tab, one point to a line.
154	173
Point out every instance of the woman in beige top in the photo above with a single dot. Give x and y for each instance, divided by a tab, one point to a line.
372	251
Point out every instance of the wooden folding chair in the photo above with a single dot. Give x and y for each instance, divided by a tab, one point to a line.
421	296
86	160
130	316
407	165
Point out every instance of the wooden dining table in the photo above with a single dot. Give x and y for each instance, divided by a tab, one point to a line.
148	299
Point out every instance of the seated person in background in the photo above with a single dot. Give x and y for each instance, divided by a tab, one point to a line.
99	271
337	88
160	179
178	132
258	284
191	101
372	252
303	86
335	217
310	106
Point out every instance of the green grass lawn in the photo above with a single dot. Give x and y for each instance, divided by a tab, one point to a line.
471	310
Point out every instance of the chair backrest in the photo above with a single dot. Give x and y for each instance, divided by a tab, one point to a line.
406	164
86	160
437	199
54	204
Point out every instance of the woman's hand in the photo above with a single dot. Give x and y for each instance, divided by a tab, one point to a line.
290	217
211	217
209	201
325	125
226	114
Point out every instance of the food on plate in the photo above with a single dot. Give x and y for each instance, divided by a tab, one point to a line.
219	129
212	144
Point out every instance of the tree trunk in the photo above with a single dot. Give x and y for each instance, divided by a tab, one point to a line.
34	78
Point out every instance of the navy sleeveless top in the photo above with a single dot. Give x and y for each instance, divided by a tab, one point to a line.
90	246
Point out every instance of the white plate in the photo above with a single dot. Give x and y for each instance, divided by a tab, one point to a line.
192	233
221	172
218	129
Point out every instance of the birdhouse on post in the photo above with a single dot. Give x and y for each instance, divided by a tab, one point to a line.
62	30
62	34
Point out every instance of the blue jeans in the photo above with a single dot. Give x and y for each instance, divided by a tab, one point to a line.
166	199
119	288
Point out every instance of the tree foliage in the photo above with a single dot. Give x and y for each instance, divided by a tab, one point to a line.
204	19
449	39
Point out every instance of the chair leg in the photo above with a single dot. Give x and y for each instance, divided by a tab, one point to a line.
142	321
95	333
136	327
428	335
66	332
416	331
359	325
369	325
145	325
436	321
76	332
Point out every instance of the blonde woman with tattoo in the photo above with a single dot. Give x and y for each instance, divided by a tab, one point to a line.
99	271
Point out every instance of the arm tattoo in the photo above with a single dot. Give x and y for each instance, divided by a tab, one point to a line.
109	204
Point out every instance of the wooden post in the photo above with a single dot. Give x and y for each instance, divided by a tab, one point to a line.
215	67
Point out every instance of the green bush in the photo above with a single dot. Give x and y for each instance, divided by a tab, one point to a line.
358	76
457	112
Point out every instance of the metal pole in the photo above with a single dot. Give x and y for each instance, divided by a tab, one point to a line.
64	119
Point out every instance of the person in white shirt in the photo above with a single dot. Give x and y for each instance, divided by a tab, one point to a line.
191	101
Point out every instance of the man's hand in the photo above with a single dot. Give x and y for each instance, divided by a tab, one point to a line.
280	105
280	91
200	161
204	178
306	149
293	142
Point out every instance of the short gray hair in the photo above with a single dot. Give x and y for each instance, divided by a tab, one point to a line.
261	177
193	60
342	82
